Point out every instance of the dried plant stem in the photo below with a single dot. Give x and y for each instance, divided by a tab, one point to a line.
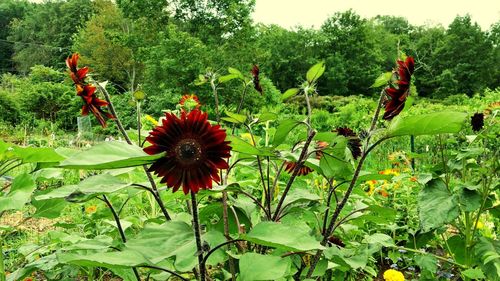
127	139
197	235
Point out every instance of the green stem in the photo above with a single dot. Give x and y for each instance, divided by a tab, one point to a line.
138	123
430	254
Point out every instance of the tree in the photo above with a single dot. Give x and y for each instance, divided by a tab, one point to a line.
467	53
43	36
350	41
9	11
109	43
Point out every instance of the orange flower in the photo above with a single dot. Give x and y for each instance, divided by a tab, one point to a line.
413	179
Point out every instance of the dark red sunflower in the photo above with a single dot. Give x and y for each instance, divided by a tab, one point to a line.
190	101
194	151
93	104
256	81
304	170
77	75
477	121
399	92
353	141
87	91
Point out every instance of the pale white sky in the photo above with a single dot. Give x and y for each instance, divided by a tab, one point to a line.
312	13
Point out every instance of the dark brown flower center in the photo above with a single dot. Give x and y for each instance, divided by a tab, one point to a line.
188	151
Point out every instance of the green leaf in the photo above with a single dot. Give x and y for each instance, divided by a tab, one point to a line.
86	189
437	206
109	155
470	200
229	77
234	71
427	124
235	118
290	238
290	93
488	251
284	128
315	72
171	237
473	273
267	116
242	146
426	262
382	80
124	258
333	167
19	194
37	154
262	267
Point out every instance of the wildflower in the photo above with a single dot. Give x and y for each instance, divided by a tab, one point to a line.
256	82
194	151
393	275
477	121
91	209
399	92
190	102
354	143
304	170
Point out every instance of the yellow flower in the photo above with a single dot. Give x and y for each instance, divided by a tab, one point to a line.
151	120
91	209
479	225
247	137
393	275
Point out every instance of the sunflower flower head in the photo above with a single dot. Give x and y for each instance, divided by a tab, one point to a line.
91	103
400	90
393	275
477	122
189	102
194	151
256	80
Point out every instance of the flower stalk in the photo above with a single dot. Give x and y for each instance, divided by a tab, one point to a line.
197	235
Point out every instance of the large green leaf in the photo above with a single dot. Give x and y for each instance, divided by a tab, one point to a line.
436	205
109	155
86	189
290	93
109	259
242	146
290	238
37	154
427	124
284	128
315	72
488	251
19	194
261	267
158	242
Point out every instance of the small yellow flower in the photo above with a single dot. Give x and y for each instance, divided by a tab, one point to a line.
479	225
393	275
247	137
151	120
91	209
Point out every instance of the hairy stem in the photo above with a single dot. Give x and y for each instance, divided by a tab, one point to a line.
127	139
300	163
197	235
120	229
